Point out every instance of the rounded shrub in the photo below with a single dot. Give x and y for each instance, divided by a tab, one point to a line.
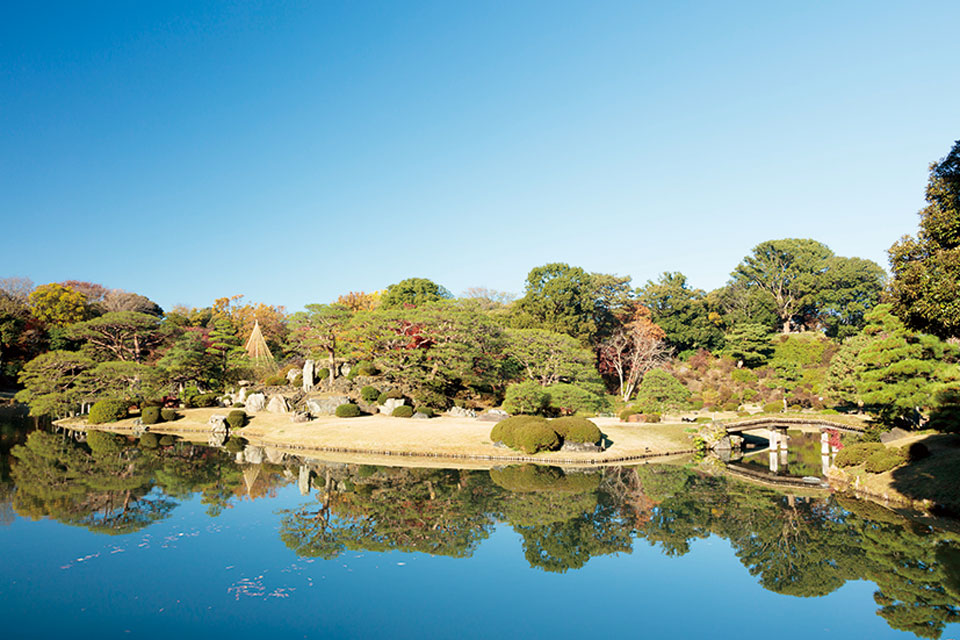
533	438
651	417
298	381
917	451
169	415
206	400
149	441
107	411
526	397
392	394
150	415
275	381
731	406
364	368
323	374
369	394
704	419
238	405
696	405
504	430
575	429
773	407
403	411
885	460
237	419
348	410
427	411
857	453
626	413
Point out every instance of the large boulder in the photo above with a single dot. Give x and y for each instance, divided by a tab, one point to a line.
462	412
255	403
278	404
300	417
494	415
390	404
419	415
326	405
292	375
309	372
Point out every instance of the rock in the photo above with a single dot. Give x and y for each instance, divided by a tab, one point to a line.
292	375
300	417
253	455
255	403
390	404
278	404
462	412
344	370
303	480
308	374
241	395
635	417
894	434
581	446
325	406
419	415
714	436
494	415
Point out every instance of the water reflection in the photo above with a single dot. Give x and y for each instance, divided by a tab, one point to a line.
798	545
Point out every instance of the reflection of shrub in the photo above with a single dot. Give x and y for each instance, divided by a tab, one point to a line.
526	398
348	410
403	411
150	415
169	415
573	429
235	444
857	453
236	419
149	441
166	441
107	411
102	442
885	460
369	394
535	478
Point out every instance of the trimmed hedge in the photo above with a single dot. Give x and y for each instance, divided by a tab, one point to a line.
403	411
505	430
917	451
206	400
534	438
885	460
237	419
348	410
169	415
150	415
651	417
857	453
369	394
574	429
107	411
773	407
731	406
626	413
427	411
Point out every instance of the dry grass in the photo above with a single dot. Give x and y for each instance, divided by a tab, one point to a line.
385	436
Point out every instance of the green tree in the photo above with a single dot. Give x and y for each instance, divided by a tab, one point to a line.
225	349
660	391
682	313
848	289
413	292
547	358
50	383
926	269
320	332
749	343
119	335
787	270
558	298
187	361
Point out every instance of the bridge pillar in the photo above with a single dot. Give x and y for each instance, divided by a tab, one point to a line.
774	453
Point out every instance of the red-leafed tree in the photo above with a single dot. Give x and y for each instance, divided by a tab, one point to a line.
635	347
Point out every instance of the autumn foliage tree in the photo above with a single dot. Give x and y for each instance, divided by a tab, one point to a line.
634	348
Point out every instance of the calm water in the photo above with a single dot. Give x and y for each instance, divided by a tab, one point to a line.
111	538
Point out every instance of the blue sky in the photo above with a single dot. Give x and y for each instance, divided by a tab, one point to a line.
295	151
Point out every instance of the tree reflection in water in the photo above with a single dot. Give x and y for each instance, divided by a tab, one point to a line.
795	545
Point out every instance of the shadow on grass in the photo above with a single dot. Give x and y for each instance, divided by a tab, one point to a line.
934	477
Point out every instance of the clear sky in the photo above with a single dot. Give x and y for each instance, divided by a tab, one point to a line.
295	151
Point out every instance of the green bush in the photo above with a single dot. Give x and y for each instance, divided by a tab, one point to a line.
731	406
238	405
917	451
857	453
369	394
237	419
651	417
166	441
107	411
323	374
743	414
626	413
298	381
526	397
403	411
795	407
364	368
773	407
348	410
885	460
275	381
149	441
696	405
533	438
574	429
660	391
567	399
704	419
235	444
150	415
392	394
427	411
169	415
830	412
206	400
102	443
504	430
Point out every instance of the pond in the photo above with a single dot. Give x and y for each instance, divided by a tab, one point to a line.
112	536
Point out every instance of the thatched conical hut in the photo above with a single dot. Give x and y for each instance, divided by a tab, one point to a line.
257	347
